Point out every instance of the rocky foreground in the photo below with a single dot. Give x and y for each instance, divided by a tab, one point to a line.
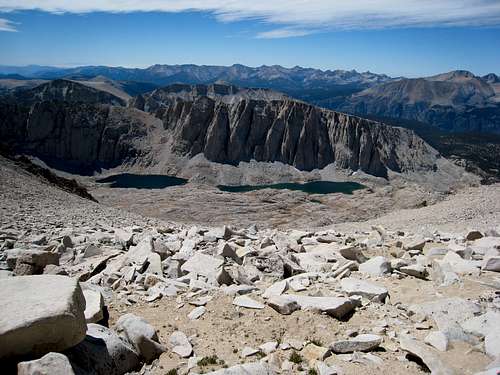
88	289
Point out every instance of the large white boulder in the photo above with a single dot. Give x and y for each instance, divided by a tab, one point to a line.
363	288
429	356
103	352
202	264
376	266
49	364
40	314
141	335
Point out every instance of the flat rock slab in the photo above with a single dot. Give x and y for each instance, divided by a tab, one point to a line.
197	312
376	266
94	305
437	340
247	302
180	344
277	289
333	306
415	270
487	325
40	314
49	364
363	288
448	313
361	343
202	264
283	305
245	369
103	352
141	335
491	264
429	356
248	351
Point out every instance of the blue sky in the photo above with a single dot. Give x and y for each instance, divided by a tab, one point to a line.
406	42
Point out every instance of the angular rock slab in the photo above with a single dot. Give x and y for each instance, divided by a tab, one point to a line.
376	266
426	354
283	305
49	364
180	344
141	335
247	302
197	312
437	340
245	369
487	325
337	307
40	314
491	264
202	264
449	313
94	305
361	343
363	288
103	352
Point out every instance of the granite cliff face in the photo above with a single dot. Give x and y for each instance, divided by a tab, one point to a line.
226	124
79	136
244	125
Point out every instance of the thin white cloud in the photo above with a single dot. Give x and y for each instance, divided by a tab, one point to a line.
296	17
283	33
6	25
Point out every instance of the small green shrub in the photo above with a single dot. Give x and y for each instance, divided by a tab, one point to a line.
206	361
295	357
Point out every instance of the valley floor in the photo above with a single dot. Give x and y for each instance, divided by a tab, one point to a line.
30	207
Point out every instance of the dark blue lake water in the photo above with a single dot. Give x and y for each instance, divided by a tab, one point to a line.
316	187
140	181
128	180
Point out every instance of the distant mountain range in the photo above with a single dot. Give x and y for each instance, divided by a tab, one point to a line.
457	101
275	77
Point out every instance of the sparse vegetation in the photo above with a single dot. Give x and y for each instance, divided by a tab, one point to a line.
296	357
207	361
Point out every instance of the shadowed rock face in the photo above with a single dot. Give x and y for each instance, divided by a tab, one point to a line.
226	124
82	135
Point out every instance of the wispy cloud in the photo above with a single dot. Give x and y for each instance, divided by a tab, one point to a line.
6	25
297	17
283	33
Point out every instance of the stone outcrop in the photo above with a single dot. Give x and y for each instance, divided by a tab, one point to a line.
43	314
225	124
